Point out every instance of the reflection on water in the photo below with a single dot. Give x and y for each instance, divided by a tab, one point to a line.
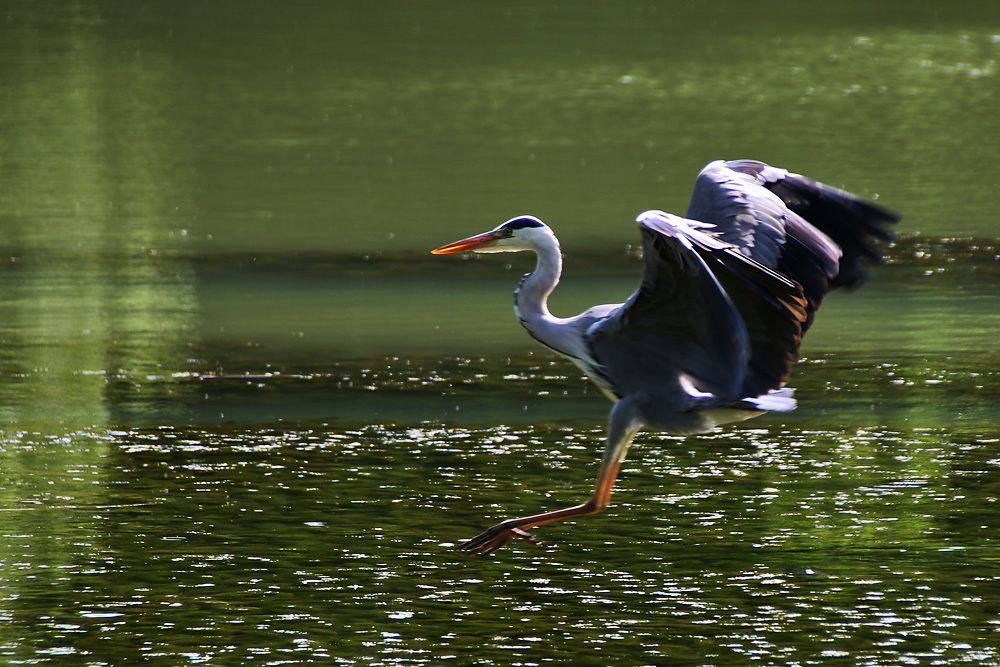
313	542
118	328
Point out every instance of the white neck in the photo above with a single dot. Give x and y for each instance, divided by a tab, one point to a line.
531	297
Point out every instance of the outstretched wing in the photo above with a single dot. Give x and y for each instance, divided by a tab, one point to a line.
818	236
699	309
851	222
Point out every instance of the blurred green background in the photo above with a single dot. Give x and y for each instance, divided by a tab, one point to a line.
246	415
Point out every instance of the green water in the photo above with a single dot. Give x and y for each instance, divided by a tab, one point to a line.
245	417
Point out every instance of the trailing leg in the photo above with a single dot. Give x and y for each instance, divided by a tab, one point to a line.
622	427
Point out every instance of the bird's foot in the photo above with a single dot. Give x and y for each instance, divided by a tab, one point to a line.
495	537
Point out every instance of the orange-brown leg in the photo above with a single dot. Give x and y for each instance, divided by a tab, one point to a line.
621	428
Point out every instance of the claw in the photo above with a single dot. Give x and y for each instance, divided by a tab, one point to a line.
495	537
526	536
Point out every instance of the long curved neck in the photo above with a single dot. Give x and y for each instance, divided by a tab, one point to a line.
531	296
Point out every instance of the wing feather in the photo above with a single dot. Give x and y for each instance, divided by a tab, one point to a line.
821	237
853	224
696	316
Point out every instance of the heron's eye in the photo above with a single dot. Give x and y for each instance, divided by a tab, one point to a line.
508	232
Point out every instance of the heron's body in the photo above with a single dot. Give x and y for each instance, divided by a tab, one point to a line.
711	333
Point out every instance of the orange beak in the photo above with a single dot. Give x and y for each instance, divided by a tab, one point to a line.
471	243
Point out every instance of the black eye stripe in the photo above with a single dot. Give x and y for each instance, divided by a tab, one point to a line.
521	223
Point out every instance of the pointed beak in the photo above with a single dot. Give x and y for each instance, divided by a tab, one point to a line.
471	243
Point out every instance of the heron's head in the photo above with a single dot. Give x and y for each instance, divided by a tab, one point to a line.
524	232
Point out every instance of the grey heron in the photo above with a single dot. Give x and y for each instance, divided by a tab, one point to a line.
710	335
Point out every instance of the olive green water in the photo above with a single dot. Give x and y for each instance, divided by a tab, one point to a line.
246	417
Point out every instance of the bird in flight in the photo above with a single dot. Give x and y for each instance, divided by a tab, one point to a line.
711	333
